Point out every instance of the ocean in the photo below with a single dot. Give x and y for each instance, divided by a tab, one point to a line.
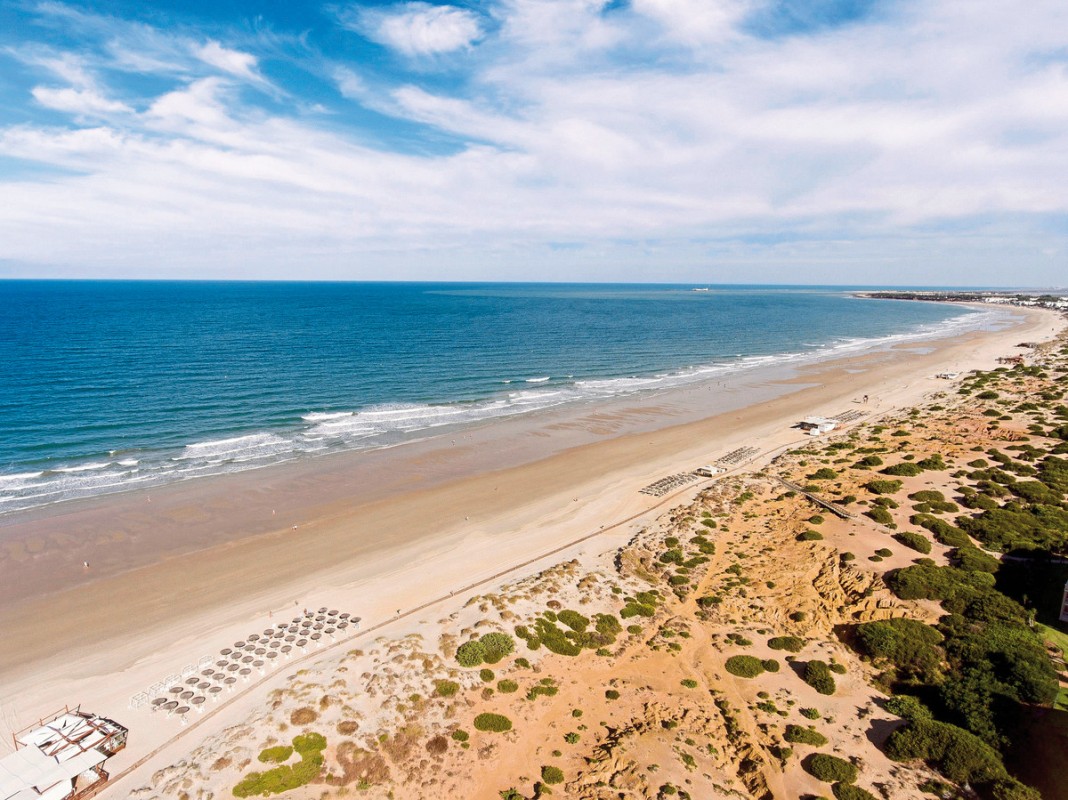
108	386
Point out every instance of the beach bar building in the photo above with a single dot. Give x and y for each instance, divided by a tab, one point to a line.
817	425
61	757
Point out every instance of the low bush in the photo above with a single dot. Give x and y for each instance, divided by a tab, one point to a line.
486	675
744	666
830	769
883	487
911	646
552	775
818	675
471	654
880	515
496	646
276	755
917	541
446	688
972	559
904	469
847	791
823	474
796	734
507	686
809	536
792	644
496	723
961	756
909	708
289	776
770	665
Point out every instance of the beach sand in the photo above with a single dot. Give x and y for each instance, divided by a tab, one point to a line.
177	573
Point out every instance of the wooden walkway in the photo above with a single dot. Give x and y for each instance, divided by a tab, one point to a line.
837	510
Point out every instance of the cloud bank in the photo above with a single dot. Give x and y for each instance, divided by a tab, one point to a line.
547	139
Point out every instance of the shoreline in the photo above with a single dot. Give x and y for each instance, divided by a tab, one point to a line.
418	544
124	531
747	370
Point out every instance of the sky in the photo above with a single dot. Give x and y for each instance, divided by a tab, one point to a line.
890	142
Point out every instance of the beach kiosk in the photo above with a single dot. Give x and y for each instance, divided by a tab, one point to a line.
814	426
61	757
709	470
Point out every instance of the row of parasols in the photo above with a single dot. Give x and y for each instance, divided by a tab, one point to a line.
256	652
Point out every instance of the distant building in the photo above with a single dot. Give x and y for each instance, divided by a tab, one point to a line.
1064	605
61	758
708	470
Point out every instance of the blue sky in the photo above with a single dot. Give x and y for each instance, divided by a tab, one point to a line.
782	141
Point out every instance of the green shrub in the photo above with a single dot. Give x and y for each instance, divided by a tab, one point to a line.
689	683
460	735
276	755
846	791
911	646
880	515
810	713
823	474
497	723
507	686
934	462
923	582
744	666
809	536
574	620
446	688
972	559
486	675
909	708
611	694
796	734
883	487
770	665
306	743
552	775
868	462
960	756
943	532
884	552
830	769
496	646
471	654
818	675
917	541
791	643
905	469
287	777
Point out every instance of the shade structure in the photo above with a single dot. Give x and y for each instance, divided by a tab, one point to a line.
170	705
185	695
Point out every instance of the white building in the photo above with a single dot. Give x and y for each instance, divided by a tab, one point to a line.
60	758
817	425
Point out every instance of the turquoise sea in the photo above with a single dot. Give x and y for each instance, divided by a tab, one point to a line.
108	386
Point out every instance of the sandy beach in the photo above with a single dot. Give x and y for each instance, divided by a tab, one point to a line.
179	572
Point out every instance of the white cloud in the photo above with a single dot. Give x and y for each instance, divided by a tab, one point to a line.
418	29
80	102
233	62
941	132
